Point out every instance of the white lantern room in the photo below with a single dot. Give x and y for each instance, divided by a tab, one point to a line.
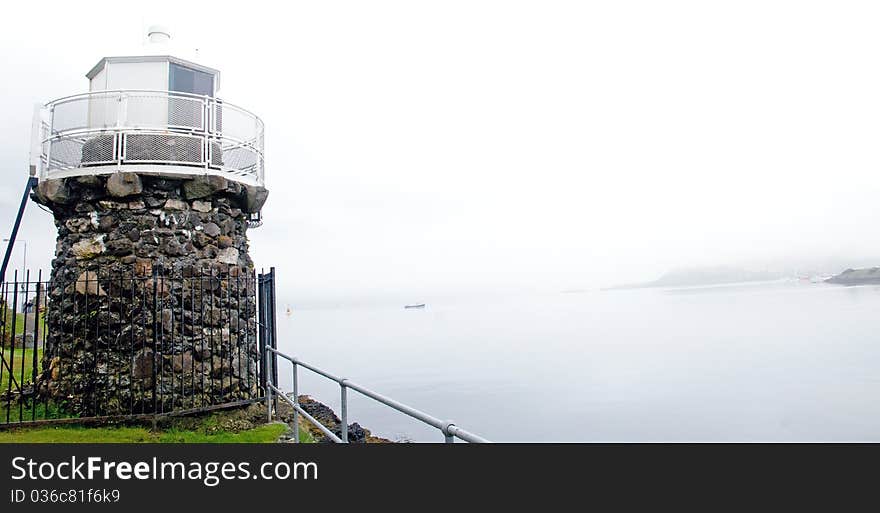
153	72
152	113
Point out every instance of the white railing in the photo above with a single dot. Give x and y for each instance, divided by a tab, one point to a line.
161	132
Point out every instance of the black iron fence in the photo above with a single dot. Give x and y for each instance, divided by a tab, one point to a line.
266	322
101	343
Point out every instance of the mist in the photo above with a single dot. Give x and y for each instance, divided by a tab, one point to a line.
415	147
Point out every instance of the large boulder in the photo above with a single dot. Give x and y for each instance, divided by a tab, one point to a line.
255	198
228	256
203	186
88	248
201	206
89	180
175	204
120	185
87	284
53	191
211	229
143	367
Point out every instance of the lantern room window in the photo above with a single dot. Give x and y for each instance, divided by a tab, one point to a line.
188	80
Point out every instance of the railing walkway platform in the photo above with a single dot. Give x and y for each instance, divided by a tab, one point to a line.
146	131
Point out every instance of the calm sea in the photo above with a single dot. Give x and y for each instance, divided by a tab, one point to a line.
753	362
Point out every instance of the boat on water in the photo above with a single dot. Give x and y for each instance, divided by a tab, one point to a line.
419	305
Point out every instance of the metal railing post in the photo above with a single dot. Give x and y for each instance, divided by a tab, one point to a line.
448	437
344	397
296	400
268	389
36	340
119	137
45	172
155	322
207	122
121	110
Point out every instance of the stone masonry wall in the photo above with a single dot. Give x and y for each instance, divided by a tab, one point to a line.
151	303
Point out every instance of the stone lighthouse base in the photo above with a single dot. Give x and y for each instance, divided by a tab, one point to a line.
151	303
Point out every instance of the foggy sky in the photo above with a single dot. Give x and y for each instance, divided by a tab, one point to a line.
439	145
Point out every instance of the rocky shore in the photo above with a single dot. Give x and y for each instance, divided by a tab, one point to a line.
325	415
250	417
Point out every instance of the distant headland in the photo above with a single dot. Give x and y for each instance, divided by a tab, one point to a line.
868	276
693	277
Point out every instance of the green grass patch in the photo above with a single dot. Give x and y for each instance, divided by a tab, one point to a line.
258	435
242	425
304	436
268	433
77	434
14	361
42	411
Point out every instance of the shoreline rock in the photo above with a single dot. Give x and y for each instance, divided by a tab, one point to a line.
325	415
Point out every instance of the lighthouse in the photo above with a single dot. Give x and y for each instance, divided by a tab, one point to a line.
153	181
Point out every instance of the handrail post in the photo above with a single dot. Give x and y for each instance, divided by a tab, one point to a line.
120	139
295	412
344	397
155	322
207	121
268	373
449	438
45	173
121	110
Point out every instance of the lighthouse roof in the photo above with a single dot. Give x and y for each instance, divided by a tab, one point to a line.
153	58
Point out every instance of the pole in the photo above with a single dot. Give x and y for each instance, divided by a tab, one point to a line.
31	183
344	398
268	369
295	412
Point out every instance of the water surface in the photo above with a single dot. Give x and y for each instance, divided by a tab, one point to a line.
753	362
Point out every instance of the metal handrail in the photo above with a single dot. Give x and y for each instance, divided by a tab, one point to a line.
66	99
230	137
330	434
447	427
111	91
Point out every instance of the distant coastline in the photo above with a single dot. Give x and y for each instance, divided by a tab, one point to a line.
868	276
693	277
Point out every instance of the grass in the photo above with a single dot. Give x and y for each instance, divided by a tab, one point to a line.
42	411
268	433
305	437
262	434
15	361
218	428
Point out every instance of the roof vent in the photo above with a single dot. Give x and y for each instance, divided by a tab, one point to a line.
158	34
